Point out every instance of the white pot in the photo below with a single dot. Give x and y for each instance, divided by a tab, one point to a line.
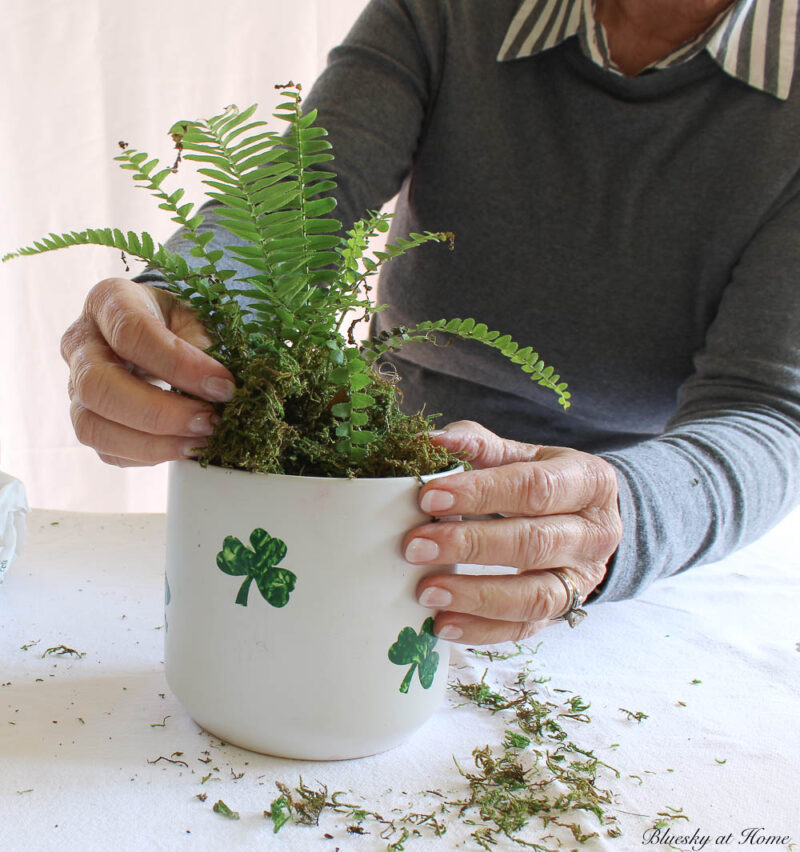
306	671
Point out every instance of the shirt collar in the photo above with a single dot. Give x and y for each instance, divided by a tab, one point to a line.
753	40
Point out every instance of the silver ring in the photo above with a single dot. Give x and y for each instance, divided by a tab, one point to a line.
574	613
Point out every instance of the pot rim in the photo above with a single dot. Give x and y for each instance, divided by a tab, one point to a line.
230	471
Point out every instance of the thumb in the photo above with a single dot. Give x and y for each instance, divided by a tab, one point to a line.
481	447
178	316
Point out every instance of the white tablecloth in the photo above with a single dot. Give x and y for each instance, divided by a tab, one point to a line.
711	657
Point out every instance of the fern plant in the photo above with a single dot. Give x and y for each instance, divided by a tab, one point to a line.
308	398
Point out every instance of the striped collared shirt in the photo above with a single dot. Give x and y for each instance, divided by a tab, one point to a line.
752	40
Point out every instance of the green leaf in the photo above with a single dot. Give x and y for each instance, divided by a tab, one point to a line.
238	119
230	200
147	245
307	119
203	157
221	808
280	813
324	226
320	242
320	207
319	186
363	437
361	400
240	229
148	167
157	179
358	381
516	740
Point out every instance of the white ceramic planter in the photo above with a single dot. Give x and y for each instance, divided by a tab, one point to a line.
302	672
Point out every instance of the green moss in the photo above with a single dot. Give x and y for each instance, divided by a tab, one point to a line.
280	420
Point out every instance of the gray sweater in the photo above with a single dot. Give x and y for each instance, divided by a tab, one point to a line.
643	234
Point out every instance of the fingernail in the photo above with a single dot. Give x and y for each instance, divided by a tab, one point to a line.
435	597
218	389
193	447
421	550
436	501
201	424
450	631
434	433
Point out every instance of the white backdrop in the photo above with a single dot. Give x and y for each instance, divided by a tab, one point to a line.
77	77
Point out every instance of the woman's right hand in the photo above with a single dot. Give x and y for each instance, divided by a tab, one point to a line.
129	335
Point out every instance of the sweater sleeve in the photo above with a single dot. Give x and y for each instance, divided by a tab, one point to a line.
727	466
372	99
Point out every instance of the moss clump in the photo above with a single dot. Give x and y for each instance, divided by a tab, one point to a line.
280	421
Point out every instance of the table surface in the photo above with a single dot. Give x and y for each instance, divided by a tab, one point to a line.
711	658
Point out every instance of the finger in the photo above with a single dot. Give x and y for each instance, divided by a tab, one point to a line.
179	316
128	319
116	461
561	481
115	440
521	542
481	447
484	631
519	598
100	382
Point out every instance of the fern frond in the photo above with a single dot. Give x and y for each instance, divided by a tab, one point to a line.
206	293
264	184
136	161
135	245
351	375
217	143
467	329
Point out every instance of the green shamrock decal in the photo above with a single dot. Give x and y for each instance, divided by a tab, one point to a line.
258	564
416	650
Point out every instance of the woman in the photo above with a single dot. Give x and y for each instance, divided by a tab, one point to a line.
623	182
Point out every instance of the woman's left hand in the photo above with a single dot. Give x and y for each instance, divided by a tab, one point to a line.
562	514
